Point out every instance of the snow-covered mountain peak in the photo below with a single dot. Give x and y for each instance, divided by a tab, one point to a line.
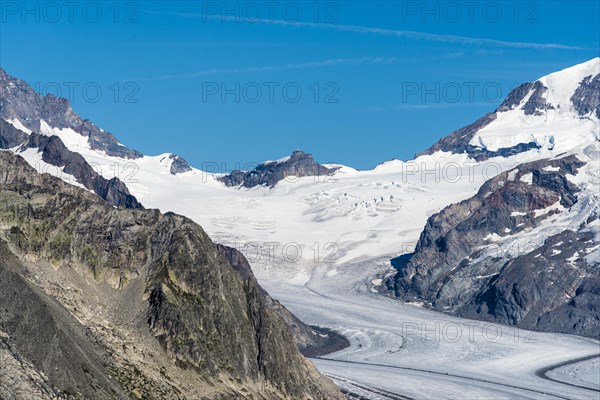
558	93
557	112
562	85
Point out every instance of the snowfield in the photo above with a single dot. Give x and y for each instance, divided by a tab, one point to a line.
584	373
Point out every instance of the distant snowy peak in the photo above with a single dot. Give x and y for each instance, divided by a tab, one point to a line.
24	107
29	111
572	90
558	112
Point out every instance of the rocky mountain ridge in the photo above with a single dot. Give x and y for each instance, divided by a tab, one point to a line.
173	291
20	102
530	98
470	258
297	165
55	153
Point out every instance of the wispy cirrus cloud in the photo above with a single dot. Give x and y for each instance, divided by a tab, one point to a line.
414	35
423	106
441	105
271	68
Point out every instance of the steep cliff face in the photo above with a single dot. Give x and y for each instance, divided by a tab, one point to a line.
312	341
523	251
10	136
586	99
299	164
169	288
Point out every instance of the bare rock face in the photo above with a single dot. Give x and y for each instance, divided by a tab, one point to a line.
586	98
179	165
201	329
312	341
10	136
299	164
545	290
457	266
44	352
535	105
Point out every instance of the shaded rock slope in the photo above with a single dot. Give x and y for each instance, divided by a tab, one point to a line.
54	152
312	341
299	164
523	251
131	303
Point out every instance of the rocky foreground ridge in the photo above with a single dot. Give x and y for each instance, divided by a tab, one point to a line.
104	303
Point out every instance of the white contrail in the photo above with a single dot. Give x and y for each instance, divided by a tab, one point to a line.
416	35
270	68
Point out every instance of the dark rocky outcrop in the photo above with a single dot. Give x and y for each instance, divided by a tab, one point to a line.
515	97
179	165
586	98
209	320
10	136
299	164
54	152
535	104
480	154
456	266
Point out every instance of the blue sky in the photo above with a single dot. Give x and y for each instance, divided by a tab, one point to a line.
352	82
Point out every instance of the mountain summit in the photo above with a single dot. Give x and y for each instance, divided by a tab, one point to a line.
557	111
268	173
